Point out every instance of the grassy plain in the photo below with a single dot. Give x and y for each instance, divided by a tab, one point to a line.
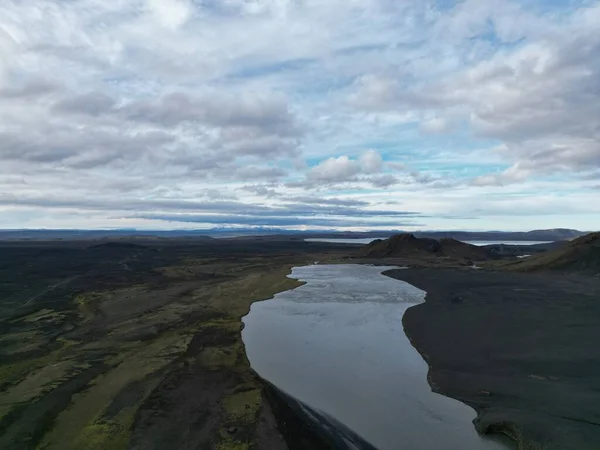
124	345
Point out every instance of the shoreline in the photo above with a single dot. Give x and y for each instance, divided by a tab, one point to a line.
503	430
512	346
278	412
304	428
326	425
299	426
141	348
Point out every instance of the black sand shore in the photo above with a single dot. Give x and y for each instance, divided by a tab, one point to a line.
521	349
304	428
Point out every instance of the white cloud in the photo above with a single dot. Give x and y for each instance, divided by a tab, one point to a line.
371	161
170	13
176	100
435	125
541	98
341	168
8	47
513	174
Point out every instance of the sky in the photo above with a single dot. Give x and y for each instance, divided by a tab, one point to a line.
300	114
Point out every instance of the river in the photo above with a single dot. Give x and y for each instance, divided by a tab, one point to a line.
337	345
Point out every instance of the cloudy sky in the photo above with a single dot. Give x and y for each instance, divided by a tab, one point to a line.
350	114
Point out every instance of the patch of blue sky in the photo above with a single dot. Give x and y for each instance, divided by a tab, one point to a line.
553	6
217	8
446	5
427	146
356	49
302	79
314	87
279	67
490	36
539	6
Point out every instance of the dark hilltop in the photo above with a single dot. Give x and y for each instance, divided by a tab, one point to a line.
411	247
581	254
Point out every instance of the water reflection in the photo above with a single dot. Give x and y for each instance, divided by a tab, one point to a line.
337	345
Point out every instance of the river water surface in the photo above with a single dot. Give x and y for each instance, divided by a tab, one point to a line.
337	345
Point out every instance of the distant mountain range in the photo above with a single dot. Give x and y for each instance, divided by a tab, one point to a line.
556	234
97	234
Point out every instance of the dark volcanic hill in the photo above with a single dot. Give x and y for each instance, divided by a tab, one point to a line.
581	254
555	234
409	246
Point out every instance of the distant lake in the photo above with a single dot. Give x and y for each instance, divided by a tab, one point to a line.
363	241
337	344
356	241
480	243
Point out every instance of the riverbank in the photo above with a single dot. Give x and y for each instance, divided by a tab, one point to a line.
305	428
337	345
137	345
521	349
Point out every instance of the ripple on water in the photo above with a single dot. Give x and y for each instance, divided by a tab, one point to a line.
337	345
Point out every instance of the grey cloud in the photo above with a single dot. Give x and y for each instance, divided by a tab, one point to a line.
383	181
326	201
265	146
170	110
240	117
131	204
541	98
93	104
15	146
90	130
95	129
74	54
434	182
268	221
32	88
591	176
424	179
204	164
270	114
581	154
78	148
400	167
261	190
145	112
379	181
217	194
545	157
314	212
205	207
333	210
259	173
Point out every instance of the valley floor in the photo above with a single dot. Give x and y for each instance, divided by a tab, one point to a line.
522	349
137	345
128	346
